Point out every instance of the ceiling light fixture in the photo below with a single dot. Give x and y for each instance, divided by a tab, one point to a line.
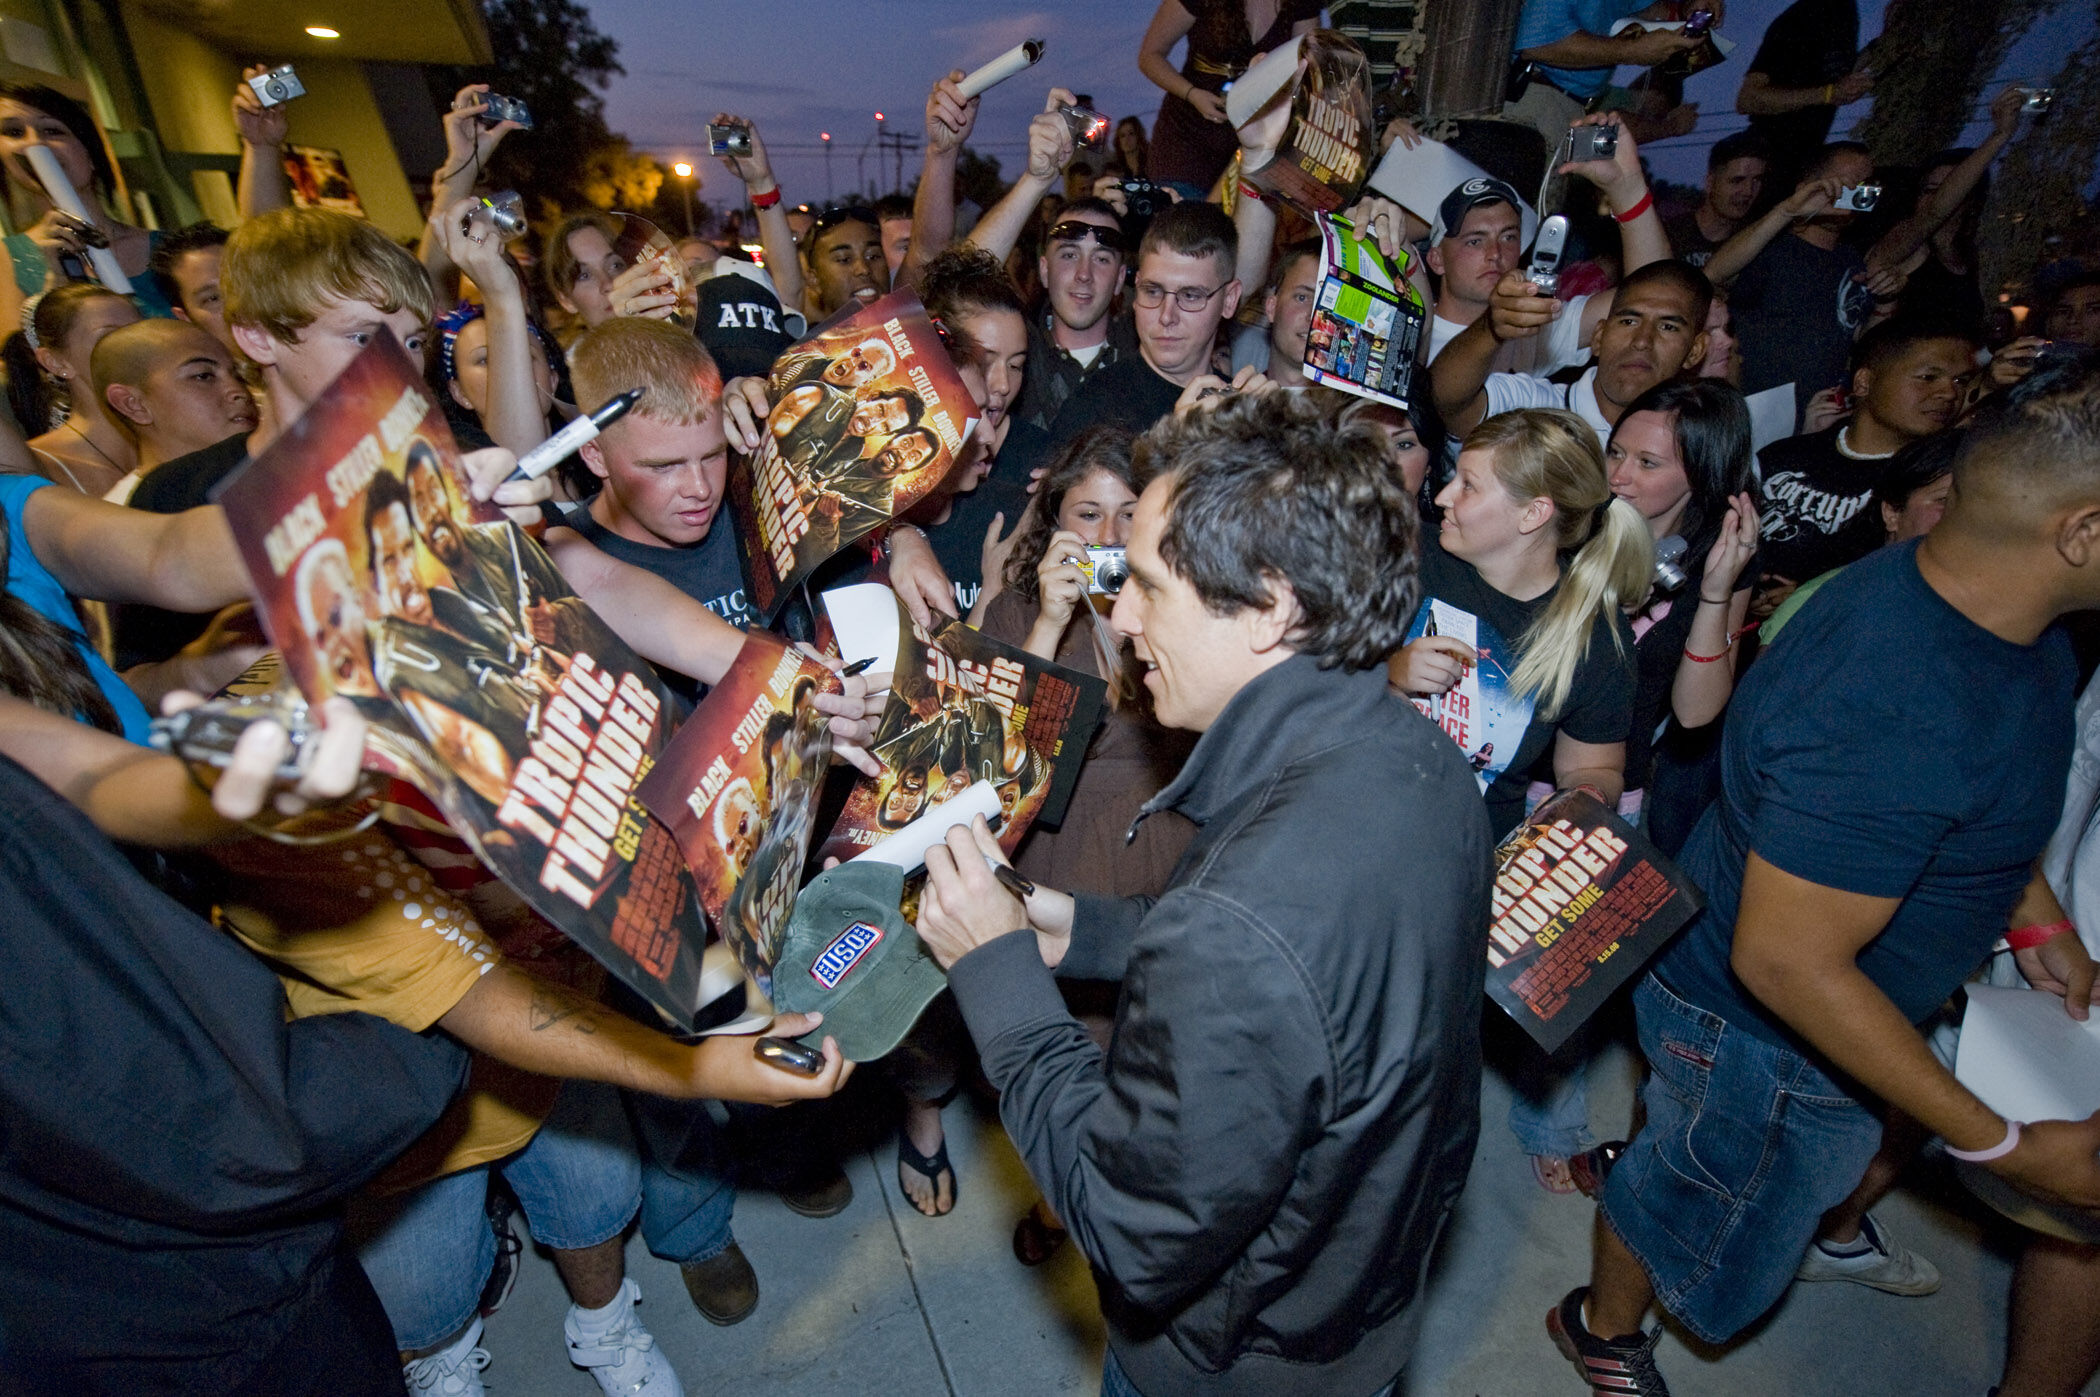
322	31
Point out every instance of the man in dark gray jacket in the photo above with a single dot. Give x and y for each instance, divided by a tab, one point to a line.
1260	1165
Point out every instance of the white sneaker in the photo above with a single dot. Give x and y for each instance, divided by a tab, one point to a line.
1886	1264
454	1371
624	1358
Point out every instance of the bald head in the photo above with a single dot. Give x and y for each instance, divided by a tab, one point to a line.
173	386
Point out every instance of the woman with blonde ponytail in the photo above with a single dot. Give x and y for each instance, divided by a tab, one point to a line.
1536	545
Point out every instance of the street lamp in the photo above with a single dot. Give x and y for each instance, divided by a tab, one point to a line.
684	170
825	136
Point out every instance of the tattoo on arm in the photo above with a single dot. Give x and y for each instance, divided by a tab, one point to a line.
552	1006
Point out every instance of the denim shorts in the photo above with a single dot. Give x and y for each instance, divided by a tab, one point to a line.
1747	1145
429	1251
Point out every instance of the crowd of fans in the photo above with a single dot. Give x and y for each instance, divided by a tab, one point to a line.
265	1133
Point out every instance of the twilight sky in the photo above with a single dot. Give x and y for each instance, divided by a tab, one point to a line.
801	67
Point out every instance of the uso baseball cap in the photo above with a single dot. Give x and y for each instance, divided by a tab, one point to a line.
1462	200
849	955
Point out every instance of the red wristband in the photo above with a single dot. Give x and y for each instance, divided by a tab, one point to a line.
767	199
2025	938
1249	191
1647	200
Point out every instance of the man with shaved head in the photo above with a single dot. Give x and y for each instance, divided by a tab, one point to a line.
171	387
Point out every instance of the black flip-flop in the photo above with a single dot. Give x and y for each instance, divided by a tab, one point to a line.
929	1167
1036	1241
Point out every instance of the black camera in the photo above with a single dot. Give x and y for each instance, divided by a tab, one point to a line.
1144	197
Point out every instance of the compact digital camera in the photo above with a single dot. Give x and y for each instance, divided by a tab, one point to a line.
729	138
498	109
278	86
1698	24
1089	128
504	212
1105	570
1670	575
1144	197
1858	198
1592	143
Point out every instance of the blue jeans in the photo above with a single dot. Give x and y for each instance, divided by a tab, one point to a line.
1549	1101
1116	1383
1747	1145
429	1251
688	1178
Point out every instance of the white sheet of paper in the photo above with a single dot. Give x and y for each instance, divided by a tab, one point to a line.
2027	1059
1771	416
907	847
1417	180
864	617
1721	41
1263	83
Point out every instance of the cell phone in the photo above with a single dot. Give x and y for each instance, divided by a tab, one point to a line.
500	109
1592	143
1858	198
1699	23
278	86
1544	271
205	735
789	1056
729	138
2037	100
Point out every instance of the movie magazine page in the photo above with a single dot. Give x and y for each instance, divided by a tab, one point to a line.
1582	901
963	707
487	682
738	789
869	415
1313	97
1483	714
1367	319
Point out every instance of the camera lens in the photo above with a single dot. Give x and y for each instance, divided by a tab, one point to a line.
1110	575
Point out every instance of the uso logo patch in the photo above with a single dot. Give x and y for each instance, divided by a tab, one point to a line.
842	955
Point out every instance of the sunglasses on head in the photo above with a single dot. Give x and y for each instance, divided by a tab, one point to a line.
835	214
1073	230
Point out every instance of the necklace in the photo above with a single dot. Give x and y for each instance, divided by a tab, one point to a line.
1845	448
94	448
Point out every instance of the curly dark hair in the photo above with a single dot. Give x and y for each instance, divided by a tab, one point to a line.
1266	488
1099	448
962	281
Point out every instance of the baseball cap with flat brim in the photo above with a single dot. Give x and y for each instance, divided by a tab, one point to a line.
849	955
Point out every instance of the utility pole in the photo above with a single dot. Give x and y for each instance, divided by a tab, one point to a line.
825	136
880	130
684	171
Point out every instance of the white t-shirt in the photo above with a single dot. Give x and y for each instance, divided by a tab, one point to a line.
1556	347
1508	392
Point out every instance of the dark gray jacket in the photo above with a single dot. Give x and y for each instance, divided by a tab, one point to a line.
1260	1167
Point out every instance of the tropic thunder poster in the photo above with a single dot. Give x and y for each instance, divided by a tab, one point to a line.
1323	154
963	707
869	415
495	688
738	788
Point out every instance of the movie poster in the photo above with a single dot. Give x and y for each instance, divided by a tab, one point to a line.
487	682
1483	713
869	415
1314	139
1581	902
963	707
1367	319
738	789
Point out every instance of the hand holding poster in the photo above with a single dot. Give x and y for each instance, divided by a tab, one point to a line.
869	415
738	789
1367	319
1482	714
486	681
1305	114
963	708
1582	901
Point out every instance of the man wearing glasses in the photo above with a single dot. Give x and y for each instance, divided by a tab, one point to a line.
1185	289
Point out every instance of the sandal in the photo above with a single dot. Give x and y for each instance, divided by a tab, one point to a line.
1035	1240
1553	1173
929	1167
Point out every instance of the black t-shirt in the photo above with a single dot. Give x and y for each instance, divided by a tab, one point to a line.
147	634
958	540
1126	394
1812	42
1688	240
1815	506
711	572
1600	701
1797	309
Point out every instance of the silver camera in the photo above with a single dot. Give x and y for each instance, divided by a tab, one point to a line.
1088	127
1592	143
2038	100
277	86
1858	198
1105	570
728	138
1670	575
498	109
504	212
206	734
